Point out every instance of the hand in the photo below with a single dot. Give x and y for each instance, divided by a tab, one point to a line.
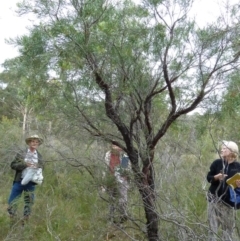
220	177
32	165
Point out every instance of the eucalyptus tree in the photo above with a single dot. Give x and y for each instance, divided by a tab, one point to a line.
228	113
143	66
15	97
22	75
8	102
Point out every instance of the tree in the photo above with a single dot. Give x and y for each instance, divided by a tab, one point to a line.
228	111
21	75
143	65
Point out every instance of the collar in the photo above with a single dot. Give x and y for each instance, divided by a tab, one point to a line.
28	151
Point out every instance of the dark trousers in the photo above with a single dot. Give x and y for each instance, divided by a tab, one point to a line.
16	193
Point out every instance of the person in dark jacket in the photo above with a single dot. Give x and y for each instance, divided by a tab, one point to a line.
29	157
220	209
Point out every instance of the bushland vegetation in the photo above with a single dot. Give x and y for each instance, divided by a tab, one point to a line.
70	204
91	73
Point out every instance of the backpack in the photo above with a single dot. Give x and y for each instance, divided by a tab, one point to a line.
124	162
234	195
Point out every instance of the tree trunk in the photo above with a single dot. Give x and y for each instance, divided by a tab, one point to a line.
145	182
24	126
151	214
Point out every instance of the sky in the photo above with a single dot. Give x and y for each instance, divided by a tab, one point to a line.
12	26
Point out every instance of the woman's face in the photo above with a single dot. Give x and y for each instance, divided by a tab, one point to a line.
225	151
33	144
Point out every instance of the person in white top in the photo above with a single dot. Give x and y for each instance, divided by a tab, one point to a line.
32	173
119	167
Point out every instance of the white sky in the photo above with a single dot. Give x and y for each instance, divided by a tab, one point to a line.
12	26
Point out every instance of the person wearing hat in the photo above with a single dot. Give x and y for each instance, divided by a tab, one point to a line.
24	159
221	209
119	166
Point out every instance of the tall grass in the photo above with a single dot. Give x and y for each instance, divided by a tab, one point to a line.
67	207
70	204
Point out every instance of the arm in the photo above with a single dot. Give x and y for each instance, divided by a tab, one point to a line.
215	175
18	164
40	161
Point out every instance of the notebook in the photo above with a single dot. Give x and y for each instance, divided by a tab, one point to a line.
232	181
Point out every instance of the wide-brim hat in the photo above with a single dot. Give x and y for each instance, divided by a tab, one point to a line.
28	139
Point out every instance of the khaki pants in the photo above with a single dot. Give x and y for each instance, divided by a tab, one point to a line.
118	197
220	217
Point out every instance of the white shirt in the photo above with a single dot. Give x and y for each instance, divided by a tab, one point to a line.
31	157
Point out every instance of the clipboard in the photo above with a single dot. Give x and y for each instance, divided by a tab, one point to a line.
232	181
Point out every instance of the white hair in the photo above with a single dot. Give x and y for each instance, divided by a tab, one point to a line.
231	145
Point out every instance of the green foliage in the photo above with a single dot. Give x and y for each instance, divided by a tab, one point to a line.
11	137
70	204
88	59
231	101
